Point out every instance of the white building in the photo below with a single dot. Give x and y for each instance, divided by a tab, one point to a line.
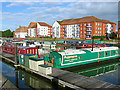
56	30
39	29
69	31
21	32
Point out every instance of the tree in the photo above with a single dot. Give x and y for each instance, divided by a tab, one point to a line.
7	33
113	35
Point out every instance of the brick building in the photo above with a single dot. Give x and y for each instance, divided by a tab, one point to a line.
82	28
20	32
37	29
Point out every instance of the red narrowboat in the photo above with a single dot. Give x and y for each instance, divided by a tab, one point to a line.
20	50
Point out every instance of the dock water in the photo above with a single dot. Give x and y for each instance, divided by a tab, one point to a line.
66	78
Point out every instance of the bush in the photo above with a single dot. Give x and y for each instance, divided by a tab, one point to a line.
117	38
54	39
99	37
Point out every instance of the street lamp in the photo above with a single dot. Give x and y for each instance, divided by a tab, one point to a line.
92	41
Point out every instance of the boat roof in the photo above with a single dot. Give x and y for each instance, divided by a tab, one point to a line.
71	52
99	49
82	51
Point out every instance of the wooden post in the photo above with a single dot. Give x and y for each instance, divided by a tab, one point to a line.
92	42
16	63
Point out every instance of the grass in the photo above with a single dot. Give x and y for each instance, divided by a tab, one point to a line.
52	39
49	39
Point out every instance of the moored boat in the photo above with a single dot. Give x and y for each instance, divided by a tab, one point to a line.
73	57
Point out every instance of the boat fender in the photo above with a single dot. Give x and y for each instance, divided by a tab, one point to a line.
52	60
98	61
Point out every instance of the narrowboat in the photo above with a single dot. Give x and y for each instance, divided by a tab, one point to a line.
74	57
48	44
20	50
84	46
62	45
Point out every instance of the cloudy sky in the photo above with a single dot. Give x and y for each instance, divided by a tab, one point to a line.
22	13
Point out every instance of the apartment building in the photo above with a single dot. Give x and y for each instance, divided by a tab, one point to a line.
82	28
20	32
39	29
118	29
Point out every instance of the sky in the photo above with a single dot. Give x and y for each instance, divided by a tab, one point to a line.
22	13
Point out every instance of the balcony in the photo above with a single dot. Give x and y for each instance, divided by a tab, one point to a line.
106	26
57	34
73	30
65	33
88	29
88	37
78	25
111	27
73	34
89	26
57	31
65	30
88	33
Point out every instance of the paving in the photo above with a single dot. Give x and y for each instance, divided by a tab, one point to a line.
6	84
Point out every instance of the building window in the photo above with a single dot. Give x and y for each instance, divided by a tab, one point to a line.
100	31
81	24
81	28
96	27
96	31
81	31
84	24
96	23
81	35
100	28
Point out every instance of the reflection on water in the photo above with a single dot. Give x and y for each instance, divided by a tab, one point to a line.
23	79
98	70
105	72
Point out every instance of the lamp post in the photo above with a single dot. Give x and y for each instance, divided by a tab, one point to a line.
92	41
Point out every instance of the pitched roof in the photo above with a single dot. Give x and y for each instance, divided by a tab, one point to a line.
21	29
44	24
32	25
82	20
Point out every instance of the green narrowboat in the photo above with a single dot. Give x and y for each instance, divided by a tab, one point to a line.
73	57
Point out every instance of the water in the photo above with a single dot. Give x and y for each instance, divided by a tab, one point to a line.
23	79
108	72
